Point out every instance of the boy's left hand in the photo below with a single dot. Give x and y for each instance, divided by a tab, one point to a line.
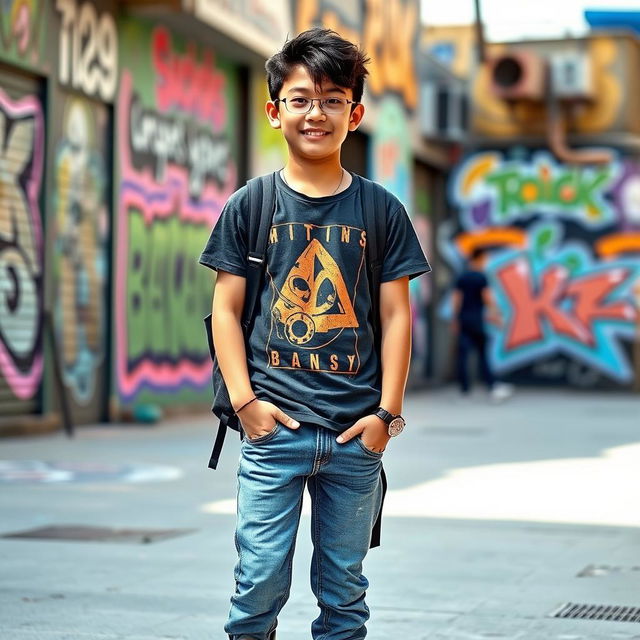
374	432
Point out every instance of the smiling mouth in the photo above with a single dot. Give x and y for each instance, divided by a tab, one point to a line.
315	134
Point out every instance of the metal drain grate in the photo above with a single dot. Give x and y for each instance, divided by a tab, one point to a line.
599	570
614	613
80	533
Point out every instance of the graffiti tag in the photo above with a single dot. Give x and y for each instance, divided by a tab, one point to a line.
157	140
388	35
553	308
21	148
161	292
88	49
491	190
20	27
185	84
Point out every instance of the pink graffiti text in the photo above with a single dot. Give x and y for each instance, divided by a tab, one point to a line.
186	84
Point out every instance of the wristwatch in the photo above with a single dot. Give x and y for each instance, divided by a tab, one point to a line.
395	424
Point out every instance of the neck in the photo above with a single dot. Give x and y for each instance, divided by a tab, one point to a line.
316	179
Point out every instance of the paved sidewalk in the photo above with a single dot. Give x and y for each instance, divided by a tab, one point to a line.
496	516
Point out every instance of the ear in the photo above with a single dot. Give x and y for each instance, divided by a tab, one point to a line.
356	117
273	114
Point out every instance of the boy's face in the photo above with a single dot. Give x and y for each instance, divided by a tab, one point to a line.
315	135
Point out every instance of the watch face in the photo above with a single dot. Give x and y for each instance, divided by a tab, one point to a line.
396	426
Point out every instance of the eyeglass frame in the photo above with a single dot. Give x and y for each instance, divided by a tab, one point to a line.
319	101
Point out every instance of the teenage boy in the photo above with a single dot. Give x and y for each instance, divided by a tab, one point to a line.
317	402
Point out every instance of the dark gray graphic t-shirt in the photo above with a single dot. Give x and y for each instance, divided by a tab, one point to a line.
311	349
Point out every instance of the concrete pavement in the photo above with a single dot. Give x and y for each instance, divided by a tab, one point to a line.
496	515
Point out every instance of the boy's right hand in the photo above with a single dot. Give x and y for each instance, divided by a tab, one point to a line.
260	417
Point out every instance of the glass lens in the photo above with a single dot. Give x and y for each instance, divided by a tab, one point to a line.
334	105
298	105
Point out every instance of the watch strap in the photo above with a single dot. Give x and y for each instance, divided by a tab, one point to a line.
384	415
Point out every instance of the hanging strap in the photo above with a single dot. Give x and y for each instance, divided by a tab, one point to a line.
261	202
375	215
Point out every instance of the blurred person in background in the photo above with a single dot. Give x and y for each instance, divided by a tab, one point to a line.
473	307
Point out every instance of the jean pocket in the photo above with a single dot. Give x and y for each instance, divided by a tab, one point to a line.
266	437
363	446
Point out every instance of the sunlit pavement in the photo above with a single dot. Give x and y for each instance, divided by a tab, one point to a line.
496	515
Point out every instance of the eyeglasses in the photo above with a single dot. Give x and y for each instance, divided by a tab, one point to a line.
300	105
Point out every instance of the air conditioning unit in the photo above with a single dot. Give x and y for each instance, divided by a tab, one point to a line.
518	75
444	110
571	76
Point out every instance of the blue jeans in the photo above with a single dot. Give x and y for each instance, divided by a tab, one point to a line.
346	491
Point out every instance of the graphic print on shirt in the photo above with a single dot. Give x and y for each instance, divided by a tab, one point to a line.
313	312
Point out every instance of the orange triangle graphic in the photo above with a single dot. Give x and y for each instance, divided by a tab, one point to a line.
315	289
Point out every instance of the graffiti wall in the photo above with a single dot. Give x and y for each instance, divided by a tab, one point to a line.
22	32
267	147
21	253
421	288
564	262
177	161
386	29
81	244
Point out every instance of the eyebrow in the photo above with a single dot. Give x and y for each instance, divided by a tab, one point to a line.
307	90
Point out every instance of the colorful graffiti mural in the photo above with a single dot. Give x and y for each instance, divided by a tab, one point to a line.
82	231
21	245
421	288
268	148
565	260
176	156
387	30
21	31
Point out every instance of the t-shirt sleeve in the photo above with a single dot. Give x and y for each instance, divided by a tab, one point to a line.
403	254
226	249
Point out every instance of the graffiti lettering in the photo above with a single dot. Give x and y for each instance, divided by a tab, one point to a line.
168	294
157	140
572	188
550	309
21	147
184	83
20	26
493	191
88	49
161	292
564	242
389	33
556	287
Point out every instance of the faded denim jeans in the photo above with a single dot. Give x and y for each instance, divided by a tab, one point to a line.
346	491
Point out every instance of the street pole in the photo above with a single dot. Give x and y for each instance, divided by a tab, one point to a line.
481	50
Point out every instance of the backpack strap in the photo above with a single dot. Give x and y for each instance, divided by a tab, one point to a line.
261	201
261	194
375	217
